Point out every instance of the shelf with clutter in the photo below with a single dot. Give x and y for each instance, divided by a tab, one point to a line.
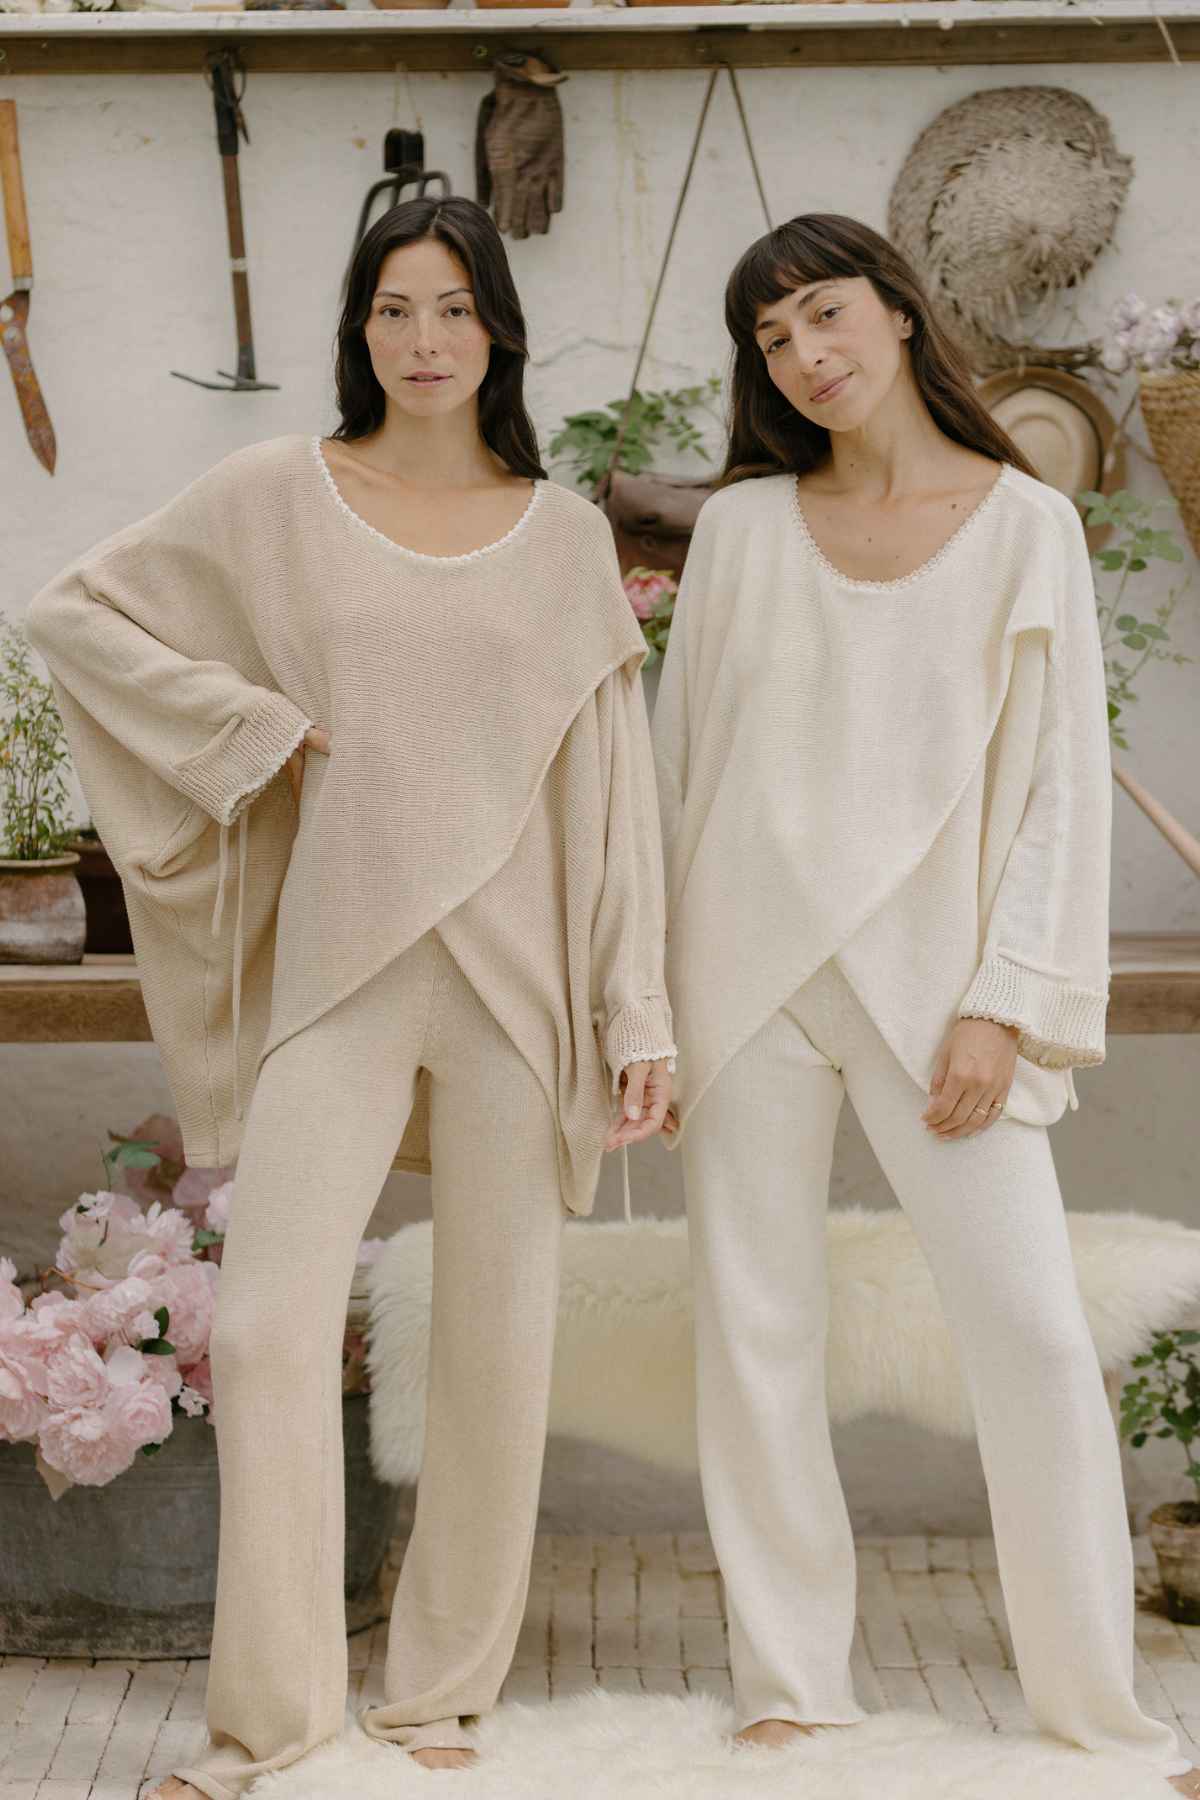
760	34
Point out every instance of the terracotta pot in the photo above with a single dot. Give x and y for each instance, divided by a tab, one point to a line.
43	918
104	897
1175	1534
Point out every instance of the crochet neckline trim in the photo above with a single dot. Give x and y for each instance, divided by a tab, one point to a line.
917	574
425	556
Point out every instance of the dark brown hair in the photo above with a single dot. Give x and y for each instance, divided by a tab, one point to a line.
469	232
768	436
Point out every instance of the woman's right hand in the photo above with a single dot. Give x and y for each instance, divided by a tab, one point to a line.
315	738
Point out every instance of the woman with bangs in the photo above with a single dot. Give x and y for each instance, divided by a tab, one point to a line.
881	742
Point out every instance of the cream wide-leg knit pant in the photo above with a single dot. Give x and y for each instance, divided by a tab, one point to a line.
988	1214
328	1111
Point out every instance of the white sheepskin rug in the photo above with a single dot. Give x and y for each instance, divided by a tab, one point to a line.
623	1374
602	1746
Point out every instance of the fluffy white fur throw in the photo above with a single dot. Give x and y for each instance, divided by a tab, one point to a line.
623	1358
602	1746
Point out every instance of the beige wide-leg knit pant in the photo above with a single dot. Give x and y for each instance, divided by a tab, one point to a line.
988	1214
328	1111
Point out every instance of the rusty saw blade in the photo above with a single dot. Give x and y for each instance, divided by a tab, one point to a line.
14	310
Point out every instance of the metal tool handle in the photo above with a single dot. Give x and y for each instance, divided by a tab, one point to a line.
16	220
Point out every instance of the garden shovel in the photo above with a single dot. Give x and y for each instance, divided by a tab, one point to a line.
14	310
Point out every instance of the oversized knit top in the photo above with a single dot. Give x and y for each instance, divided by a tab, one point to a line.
490	774
911	775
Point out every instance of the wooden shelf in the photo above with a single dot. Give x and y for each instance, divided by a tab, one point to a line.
1155	988
887	34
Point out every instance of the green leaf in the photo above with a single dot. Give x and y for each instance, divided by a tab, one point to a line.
1135	641
156	1347
1127	622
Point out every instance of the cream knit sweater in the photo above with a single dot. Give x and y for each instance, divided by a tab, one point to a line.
912	775
491	774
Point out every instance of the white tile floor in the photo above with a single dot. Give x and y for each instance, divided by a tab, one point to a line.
636	1615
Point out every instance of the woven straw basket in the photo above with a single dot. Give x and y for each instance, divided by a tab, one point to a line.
1171	408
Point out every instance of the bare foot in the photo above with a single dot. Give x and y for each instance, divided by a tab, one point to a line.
431	1758
174	1788
1188	1783
777	1732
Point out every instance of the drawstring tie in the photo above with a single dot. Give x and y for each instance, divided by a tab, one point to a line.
625	1172
237	937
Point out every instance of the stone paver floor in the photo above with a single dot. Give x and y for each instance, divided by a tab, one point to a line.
634	1615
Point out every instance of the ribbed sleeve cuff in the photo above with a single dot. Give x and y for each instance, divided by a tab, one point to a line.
246	753
641	1031
1061	1026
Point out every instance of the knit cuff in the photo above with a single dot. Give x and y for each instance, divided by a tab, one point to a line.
1061	1026
246	753
638	1032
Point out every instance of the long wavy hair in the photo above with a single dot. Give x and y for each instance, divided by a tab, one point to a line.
469	232
767	435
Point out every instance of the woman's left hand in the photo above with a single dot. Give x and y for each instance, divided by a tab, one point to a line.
971	1078
646	1086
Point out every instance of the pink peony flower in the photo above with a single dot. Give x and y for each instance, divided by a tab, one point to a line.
12	1301
189	1294
192	1402
75	1377
216	1215
22	1407
646	588
139	1411
82	1445
196	1187
114	1311
165	1371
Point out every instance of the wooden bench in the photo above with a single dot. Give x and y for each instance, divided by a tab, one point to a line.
1155	988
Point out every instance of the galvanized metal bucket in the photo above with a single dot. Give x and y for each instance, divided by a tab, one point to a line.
129	1569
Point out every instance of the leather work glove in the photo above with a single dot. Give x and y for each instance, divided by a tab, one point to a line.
519	144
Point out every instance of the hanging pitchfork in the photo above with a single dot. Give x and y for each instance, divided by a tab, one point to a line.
227	79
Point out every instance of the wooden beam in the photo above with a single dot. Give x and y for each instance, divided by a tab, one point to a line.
342	46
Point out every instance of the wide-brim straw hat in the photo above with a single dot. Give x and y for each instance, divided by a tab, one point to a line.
1004	201
1063	427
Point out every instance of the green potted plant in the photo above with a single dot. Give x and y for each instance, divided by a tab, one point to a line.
1164	1402
43	918
652	514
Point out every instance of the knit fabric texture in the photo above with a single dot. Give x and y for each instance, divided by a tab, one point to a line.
490	773
911	775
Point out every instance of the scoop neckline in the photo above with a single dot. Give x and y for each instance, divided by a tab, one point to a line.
404	550
899	581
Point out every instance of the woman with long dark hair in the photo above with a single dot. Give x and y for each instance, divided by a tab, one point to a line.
448	928
882	748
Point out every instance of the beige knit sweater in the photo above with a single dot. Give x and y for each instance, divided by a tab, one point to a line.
912	775
490	774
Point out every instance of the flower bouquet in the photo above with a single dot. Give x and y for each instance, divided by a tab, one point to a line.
1162	344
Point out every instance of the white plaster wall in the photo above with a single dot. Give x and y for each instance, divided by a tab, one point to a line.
131	281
